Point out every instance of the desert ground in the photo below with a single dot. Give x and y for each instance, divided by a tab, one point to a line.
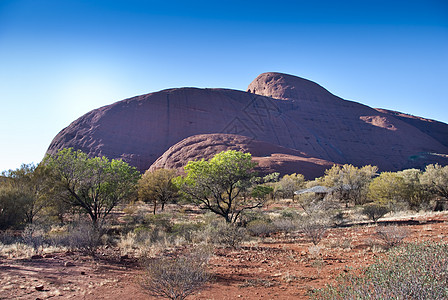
280	266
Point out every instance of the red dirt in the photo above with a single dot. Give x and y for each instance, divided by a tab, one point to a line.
279	267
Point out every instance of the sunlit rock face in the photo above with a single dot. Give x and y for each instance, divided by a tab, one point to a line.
281	110
270	157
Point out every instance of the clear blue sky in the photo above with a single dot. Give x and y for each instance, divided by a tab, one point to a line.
62	58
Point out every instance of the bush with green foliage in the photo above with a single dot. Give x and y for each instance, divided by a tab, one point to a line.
413	271
375	211
435	179
289	184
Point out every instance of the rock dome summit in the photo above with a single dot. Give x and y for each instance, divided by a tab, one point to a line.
289	124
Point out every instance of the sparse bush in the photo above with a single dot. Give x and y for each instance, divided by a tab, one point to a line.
228	235
289	214
160	222
284	224
413	271
83	236
261	228
391	236
186	230
374	211
34	236
178	277
251	215
314	227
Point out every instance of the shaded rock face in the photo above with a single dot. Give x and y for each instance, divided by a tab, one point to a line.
270	158
281	110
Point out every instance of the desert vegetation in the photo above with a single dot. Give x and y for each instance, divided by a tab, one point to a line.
180	230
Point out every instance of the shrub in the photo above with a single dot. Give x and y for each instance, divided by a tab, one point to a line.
284	224
178	277
186	230
220	233
413	271
229	235
314	227
34	236
374	211
261	228
391	236
83	236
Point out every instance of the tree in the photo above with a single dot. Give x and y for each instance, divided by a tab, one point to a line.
387	189
435	179
415	193
218	183
23	189
349	183
11	207
289	184
158	187
95	185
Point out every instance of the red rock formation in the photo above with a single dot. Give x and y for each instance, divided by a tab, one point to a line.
270	158
280	109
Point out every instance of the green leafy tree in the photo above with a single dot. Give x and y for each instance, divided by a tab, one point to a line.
23	189
12	213
94	185
349	183
158	187
415	192
218	184
387	189
289	184
435	179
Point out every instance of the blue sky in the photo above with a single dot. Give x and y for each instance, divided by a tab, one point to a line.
61	59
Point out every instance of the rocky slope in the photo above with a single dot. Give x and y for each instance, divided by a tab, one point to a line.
270	157
278	109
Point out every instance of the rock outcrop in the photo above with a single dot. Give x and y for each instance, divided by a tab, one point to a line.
270	157
278	109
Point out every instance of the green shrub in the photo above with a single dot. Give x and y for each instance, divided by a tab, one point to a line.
160	221
413	271
374	211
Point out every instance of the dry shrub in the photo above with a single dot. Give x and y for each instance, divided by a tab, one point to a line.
412	271
261	227
315	226
258	282
176	277
228	235
391	236
284	224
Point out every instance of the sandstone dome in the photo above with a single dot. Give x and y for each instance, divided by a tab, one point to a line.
280	109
